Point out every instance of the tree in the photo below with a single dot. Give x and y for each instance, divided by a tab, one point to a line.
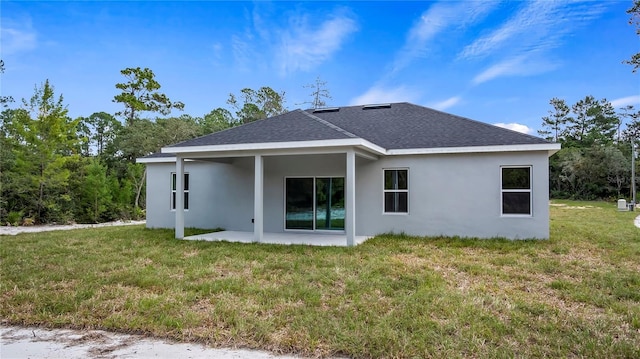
7	163
6	154
137	173
319	93
594	159
175	129
216	120
102	129
594	122
47	140
634	11
95	191
257	105
137	139
4	100
633	126
140	93
554	123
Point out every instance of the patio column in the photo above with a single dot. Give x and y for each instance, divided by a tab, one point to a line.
258	195
350	198
179	197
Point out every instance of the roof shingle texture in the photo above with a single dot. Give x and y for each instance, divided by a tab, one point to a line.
405	125
293	126
400	126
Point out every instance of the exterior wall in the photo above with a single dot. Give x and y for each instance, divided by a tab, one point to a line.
213	202
221	194
453	195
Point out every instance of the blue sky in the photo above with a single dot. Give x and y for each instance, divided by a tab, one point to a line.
492	61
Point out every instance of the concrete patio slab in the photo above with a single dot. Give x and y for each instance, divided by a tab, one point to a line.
288	238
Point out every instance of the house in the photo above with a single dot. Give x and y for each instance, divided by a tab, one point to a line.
356	171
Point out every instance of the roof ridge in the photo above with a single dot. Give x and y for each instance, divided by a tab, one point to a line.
330	125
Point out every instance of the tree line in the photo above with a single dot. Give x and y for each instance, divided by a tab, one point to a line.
595	159
57	169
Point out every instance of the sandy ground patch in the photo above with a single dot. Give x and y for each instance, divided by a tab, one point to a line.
565	206
17	342
12	231
636	221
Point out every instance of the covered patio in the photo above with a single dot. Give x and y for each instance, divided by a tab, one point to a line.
287	238
349	149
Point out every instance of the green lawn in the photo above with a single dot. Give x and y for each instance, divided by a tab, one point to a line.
576	295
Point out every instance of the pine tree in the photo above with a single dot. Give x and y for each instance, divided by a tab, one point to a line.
47	140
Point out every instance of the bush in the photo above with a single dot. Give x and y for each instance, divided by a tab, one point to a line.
14	218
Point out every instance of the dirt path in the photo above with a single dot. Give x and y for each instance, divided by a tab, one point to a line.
12	231
17	342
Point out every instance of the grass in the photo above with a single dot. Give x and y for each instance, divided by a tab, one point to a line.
576	295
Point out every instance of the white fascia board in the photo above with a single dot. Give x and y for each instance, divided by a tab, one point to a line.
332	146
551	147
367	155
171	159
294	146
156	160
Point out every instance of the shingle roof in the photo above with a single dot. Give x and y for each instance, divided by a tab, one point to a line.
404	125
399	126
296	125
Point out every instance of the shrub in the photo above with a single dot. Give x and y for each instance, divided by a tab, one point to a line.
14	218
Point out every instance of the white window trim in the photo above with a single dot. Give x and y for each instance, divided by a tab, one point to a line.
172	205
384	191
530	191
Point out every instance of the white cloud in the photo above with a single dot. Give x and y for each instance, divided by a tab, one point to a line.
532	20
301	44
303	47
438	18
446	104
242	52
508	67
539	25
626	101
16	38
517	66
217	50
379	94
515	127
525	40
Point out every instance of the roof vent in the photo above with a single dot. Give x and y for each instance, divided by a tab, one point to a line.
376	106
326	109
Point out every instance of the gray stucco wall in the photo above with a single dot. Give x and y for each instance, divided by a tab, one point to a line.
220	195
452	195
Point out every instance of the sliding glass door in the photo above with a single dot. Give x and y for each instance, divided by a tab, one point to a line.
314	203
330	203
299	203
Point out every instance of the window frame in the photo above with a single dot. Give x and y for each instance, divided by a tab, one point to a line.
516	190
284	204
396	190
172	193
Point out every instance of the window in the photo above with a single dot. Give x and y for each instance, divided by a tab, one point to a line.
396	191
173	191
314	203
516	190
